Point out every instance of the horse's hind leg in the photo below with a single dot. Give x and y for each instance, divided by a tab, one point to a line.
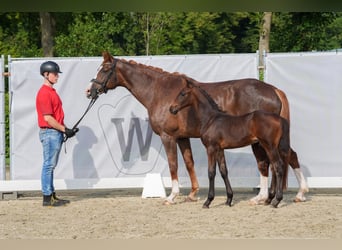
303	186
224	173
263	166
185	147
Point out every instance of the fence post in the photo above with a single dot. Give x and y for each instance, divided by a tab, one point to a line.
2	121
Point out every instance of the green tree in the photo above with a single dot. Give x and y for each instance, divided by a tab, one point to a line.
333	34
300	31
201	34
246	30
163	33
195	33
146	34
19	34
91	33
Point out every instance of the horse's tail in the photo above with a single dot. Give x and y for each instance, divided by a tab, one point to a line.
285	106
284	149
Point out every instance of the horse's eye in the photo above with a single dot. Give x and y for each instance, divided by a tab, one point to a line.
183	93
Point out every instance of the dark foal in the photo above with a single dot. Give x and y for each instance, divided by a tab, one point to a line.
221	131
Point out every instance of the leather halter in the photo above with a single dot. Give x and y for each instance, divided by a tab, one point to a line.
103	88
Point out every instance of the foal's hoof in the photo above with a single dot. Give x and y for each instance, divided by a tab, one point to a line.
267	202
275	203
206	204
228	203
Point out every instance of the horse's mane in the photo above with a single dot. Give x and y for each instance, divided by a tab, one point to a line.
155	69
206	95
187	78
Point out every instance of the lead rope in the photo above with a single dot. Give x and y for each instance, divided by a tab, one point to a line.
91	103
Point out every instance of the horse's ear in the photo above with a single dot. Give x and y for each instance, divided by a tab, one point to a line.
105	54
107	57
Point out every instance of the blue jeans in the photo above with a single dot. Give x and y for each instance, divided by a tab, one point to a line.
51	140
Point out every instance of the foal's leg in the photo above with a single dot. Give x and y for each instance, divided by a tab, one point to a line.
279	187
171	152
303	186
185	147
276	183
263	166
211	176
277	175
273	187
224	173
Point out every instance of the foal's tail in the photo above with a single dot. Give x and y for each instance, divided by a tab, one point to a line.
284	149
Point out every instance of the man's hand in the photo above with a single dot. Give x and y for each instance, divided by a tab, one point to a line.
70	132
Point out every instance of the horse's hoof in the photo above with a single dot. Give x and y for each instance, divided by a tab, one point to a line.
257	200
205	206
299	200
191	199
166	202
253	202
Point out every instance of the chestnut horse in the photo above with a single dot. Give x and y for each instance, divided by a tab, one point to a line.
156	89
220	131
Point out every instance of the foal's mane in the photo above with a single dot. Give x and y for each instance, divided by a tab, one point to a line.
206	95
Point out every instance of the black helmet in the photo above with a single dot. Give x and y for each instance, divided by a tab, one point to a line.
49	66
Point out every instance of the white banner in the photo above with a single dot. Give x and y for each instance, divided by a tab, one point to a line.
115	138
313	85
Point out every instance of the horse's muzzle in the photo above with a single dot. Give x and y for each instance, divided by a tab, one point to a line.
93	93
173	110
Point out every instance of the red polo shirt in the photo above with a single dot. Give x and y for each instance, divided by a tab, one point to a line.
48	103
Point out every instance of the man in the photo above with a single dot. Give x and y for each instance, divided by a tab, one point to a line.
52	129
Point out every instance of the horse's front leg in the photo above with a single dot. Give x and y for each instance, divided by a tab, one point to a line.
211	176
262	196
263	166
171	152
185	147
221	160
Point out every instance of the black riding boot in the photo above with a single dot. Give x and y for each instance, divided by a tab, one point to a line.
49	201
58	199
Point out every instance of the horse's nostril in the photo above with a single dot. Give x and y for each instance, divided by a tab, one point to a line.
173	110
